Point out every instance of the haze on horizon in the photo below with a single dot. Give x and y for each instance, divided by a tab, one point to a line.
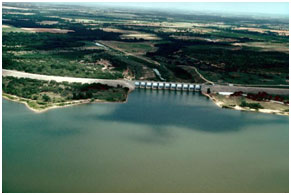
270	9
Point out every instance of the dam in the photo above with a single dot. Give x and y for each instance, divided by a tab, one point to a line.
167	86
205	88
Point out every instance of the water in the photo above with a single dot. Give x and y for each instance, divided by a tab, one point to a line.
100	45
156	142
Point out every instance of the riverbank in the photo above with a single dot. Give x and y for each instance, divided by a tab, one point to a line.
222	102
39	95
234	103
30	104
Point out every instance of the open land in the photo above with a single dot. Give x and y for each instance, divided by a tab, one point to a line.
233	102
85	42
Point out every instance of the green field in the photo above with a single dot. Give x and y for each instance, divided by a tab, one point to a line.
223	49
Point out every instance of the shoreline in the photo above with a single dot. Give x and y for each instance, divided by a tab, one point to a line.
66	104
265	111
87	101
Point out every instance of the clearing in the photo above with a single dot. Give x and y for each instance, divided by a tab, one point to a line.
49	30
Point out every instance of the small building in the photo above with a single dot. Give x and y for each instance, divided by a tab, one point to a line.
225	93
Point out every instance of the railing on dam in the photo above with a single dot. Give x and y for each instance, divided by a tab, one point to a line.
167	85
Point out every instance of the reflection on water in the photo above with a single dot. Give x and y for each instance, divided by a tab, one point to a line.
158	141
195	112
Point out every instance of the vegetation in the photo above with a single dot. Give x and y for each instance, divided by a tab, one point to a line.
251	105
223	49
44	94
247	104
224	63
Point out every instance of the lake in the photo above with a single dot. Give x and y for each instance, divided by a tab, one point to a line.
159	141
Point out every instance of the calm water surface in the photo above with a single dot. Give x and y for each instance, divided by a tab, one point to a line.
156	142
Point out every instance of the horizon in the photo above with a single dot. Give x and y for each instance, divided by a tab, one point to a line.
269	9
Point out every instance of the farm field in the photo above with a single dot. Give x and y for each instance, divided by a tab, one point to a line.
42	38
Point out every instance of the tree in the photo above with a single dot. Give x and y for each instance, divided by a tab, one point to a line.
89	94
243	103
46	98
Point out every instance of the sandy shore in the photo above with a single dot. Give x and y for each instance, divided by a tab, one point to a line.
267	111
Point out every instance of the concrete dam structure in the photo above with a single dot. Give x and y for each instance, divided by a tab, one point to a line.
167	86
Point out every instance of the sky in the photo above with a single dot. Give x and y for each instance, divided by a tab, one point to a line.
239	8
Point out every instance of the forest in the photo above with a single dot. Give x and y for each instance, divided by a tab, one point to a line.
61	40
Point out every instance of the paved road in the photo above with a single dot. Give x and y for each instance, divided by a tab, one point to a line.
224	88
130	84
113	83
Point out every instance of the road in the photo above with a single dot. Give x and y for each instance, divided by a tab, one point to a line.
112	83
130	84
201	76
129	54
245	89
